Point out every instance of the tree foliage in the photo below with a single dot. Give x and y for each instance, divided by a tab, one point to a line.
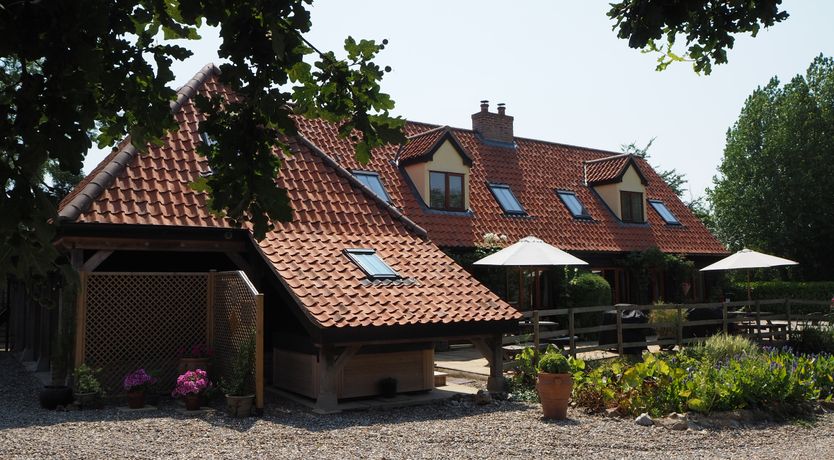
774	188
73	73
675	180
707	26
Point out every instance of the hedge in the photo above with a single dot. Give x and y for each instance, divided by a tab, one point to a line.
762	290
589	290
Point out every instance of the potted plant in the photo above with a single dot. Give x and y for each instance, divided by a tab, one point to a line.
237	385
195	357
87	386
190	387
554	384
136	384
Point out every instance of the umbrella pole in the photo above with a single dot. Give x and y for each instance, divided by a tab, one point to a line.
749	297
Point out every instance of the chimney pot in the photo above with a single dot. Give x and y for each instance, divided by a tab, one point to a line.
485	106
502	109
493	126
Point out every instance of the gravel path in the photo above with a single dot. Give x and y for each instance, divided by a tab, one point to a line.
448	430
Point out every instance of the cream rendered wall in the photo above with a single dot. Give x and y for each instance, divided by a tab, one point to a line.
610	193
446	159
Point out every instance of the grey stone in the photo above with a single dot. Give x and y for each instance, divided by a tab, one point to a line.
644	420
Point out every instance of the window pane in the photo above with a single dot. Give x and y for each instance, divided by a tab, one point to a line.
506	199
625	207
574	205
370	262
455	192
664	212
637	207
437	190
373	182
631	206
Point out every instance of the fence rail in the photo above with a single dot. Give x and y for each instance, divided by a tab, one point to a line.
760	321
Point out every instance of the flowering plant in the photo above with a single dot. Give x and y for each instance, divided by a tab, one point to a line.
198	350
138	380
191	383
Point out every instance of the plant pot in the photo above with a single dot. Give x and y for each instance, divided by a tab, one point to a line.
192	364
136	399
192	401
554	394
239	406
53	396
87	400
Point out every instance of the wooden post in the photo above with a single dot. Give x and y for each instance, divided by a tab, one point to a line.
788	316
619	329
571	333
81	319
495	382
758	321
724	317
535	321
259	351
680	326
212	279
330	366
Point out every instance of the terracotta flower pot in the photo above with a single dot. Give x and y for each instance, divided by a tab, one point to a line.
136	399
192	401
239	406
554	394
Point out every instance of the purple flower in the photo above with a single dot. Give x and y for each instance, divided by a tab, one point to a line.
191	382
138	380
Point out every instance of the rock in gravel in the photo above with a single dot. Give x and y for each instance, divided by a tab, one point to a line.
675	421
644	420
482	398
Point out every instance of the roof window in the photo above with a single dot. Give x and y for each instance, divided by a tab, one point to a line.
371	263
372	181
571	201
208	140
664	212
505	197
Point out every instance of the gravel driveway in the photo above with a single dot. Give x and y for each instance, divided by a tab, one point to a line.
448	430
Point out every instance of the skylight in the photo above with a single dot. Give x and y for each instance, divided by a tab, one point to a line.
371	263
208	140
573	204
664	212
371	180
509	203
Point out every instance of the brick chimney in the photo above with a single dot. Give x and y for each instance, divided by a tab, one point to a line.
496	127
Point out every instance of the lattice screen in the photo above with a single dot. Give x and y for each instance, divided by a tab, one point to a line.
235	317
141	320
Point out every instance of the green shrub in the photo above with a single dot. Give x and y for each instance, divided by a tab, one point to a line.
86	380
762	290
589	290
722	347
554	363
813	339
669	317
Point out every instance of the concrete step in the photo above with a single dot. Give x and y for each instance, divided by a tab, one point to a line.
439	379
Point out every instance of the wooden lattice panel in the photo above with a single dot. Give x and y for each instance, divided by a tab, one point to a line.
141	320
235	317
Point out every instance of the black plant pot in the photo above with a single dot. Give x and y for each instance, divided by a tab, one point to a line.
388	387
53	396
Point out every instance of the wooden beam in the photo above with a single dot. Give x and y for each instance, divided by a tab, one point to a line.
93	262
242	264
144	244
482	346
81	319
329	368
259	352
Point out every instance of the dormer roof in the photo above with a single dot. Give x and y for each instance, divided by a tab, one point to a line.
611	170
421	148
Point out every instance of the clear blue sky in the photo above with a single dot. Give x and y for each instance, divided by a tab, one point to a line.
562	72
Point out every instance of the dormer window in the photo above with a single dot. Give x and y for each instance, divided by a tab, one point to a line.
631	207
373	182
571	201
664	212
370	263
506	199
446	191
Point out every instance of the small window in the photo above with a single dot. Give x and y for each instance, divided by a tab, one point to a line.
446	191
208	140
370	263
372	181
505	197
573	204
664	212
631	207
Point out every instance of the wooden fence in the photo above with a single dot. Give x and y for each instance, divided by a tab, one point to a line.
762	320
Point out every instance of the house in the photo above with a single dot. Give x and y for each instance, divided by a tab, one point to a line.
354	292
461	184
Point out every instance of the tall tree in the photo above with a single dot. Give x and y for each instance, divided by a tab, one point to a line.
707	26
774	189
73	73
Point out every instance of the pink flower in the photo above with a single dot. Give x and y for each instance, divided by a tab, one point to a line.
191	382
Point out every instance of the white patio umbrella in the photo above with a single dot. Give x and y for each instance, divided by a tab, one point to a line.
747	259
530	252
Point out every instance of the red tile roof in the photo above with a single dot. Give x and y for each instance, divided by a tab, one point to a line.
534	170
610	170
421	147
332	211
